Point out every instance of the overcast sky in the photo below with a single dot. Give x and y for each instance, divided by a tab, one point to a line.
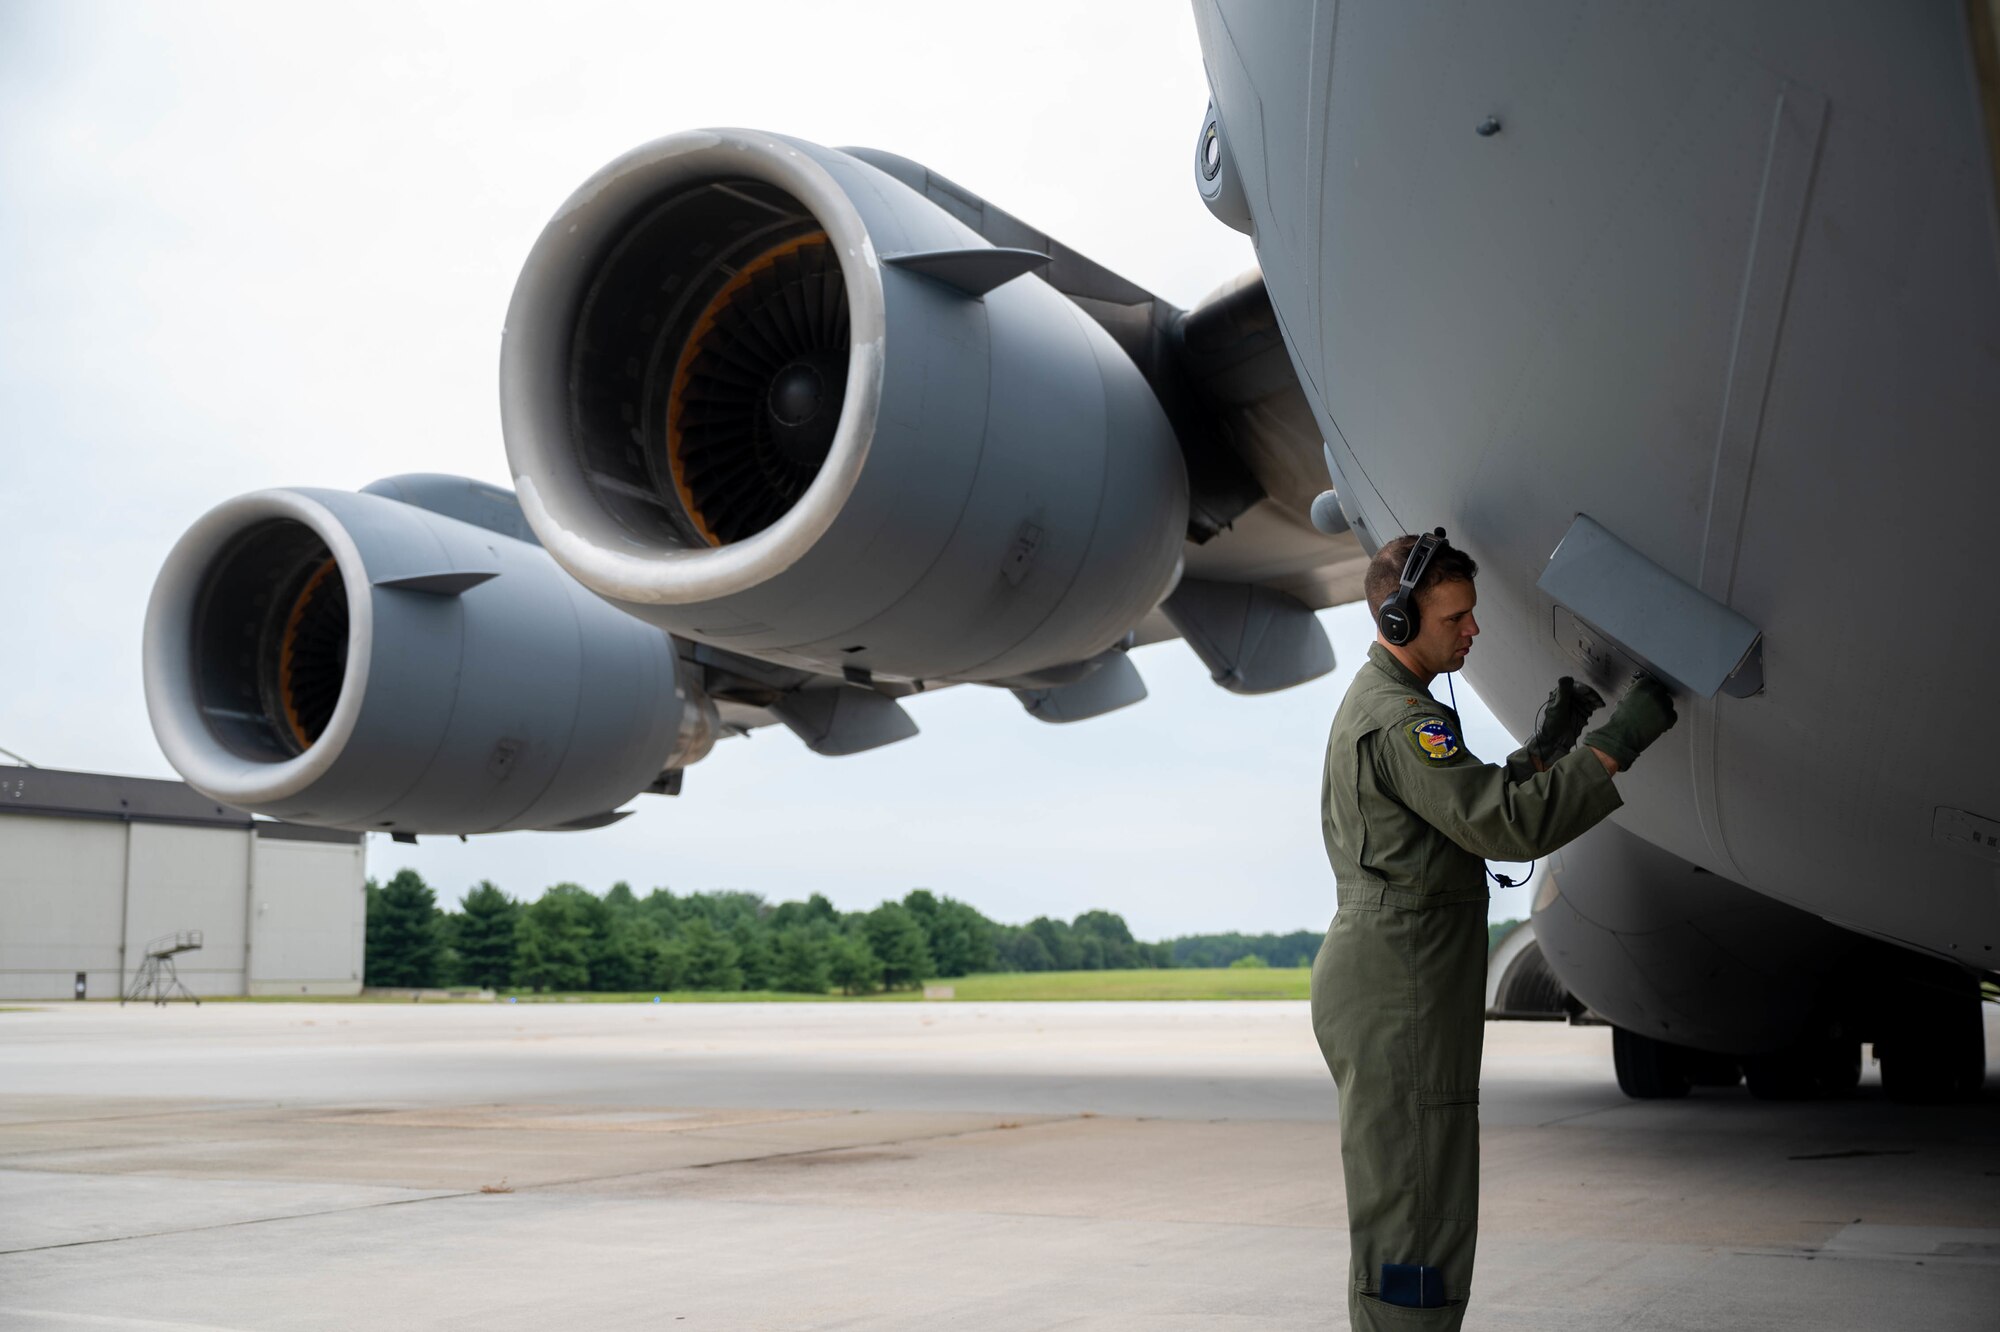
254	246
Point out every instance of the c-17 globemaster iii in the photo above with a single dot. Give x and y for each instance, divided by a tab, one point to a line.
1684	319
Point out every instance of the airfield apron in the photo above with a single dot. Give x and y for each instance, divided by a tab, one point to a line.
1398	988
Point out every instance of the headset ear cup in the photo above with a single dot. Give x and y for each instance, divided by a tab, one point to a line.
1396	627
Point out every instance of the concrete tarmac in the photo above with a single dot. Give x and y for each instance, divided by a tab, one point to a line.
920	1166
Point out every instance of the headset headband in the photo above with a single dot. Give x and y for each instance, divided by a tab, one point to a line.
1419	563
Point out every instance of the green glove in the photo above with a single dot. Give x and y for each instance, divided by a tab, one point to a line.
1641	717
1569	707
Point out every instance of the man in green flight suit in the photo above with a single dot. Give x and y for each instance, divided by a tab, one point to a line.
1398	988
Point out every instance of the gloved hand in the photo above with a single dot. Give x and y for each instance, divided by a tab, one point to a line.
1640	718
1569	707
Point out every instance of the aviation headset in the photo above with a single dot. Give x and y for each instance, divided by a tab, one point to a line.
1399	619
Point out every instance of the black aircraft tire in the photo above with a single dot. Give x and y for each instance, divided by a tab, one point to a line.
1935	1050
1648	1070
1839	1067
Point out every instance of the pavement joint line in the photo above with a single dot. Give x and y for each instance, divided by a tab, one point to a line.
543	1184
723	1131
453	1196
807	1151
247	1221
1581	1114
226	1108
62	1318
1013	1126
7	1159
1778	1133
781	1203
1853	1255
1072	1218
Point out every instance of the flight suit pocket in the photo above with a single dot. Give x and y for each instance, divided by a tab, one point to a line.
1448	1148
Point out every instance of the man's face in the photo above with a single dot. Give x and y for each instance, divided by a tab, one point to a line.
1448	627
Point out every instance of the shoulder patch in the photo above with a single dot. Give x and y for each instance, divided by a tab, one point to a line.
1434	740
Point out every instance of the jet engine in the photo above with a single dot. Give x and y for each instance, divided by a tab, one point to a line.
353	661
762	394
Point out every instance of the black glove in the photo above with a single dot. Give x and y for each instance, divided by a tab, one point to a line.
1642	717
1569	707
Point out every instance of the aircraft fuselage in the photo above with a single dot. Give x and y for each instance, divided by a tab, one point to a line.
1724	279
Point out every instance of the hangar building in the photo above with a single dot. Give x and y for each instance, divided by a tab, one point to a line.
93	867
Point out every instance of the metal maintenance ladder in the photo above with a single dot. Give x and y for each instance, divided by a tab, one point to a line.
157	979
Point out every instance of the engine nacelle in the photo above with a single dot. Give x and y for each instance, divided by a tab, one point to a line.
762	394
355	662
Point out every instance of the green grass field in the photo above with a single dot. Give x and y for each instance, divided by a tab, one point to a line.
1009	987
1178	983
1038	987
402	996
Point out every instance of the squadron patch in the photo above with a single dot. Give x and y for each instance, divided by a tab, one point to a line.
1434	740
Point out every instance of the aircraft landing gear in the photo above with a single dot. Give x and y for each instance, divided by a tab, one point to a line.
1926	1019
1933	1044
1706	1069
1806	1071
1649	1069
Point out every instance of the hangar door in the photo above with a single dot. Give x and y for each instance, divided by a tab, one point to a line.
308	916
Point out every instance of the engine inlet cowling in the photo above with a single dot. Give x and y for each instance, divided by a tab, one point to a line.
730	412
352	661
270	638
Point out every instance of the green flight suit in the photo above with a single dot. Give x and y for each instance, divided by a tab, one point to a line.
1398	989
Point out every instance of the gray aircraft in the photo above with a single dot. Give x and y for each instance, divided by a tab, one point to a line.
1684	319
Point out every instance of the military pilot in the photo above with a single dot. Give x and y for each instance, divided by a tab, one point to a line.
1398	989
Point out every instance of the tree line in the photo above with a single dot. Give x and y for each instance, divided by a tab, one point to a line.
572	939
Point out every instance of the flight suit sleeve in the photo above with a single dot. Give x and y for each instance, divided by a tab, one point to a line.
1493	812
1520	765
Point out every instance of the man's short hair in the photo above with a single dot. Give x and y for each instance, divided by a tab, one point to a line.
1385	571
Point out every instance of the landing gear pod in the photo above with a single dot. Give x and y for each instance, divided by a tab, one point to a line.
761	394
354	662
